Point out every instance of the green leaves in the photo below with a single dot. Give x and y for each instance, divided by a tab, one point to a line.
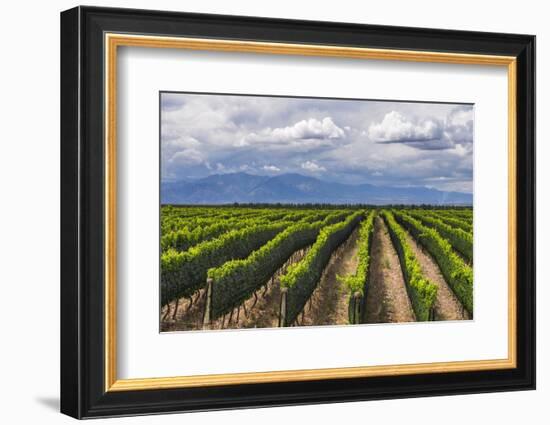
453	218
422	292
183	228
182	273
241	248
457	273
302	278
357	281
461	240
236	280
240	231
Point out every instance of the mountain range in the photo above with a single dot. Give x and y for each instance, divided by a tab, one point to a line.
298	189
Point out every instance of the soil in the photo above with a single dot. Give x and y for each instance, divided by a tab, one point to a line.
387	298
188	314
329	302
447	306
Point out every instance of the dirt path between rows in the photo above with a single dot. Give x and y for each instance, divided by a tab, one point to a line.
387	298
447	306
329	303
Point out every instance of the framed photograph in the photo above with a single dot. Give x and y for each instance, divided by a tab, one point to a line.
261	212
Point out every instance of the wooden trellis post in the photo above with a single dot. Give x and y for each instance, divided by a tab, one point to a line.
282	308
207	319
357	308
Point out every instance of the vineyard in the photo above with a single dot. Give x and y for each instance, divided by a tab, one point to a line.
231	267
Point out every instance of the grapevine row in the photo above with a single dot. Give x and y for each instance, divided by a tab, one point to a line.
357	283
175	223
461	240
301	278
236	281
183	273
459	213
458	275
452	221
422	292
186	237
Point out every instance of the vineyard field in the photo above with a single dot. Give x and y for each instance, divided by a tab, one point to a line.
257	266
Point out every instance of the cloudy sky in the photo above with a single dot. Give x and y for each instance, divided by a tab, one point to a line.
348	141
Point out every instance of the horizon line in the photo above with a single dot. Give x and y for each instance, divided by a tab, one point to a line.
312	177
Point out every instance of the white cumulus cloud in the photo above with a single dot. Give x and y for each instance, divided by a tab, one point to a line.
271	168
182	150
306	130
426	133
396	127
313	167
187	157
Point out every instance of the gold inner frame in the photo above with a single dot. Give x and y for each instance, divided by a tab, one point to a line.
113	41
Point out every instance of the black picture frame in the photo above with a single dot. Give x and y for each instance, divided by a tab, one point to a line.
83	392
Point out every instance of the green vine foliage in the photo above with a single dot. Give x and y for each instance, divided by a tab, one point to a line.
236	281
194	230
422	292
358	281
185	238
174	219
461	240
302	278
183	273
457	273
461	213
453	220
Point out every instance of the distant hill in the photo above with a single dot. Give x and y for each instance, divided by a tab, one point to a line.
296	188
